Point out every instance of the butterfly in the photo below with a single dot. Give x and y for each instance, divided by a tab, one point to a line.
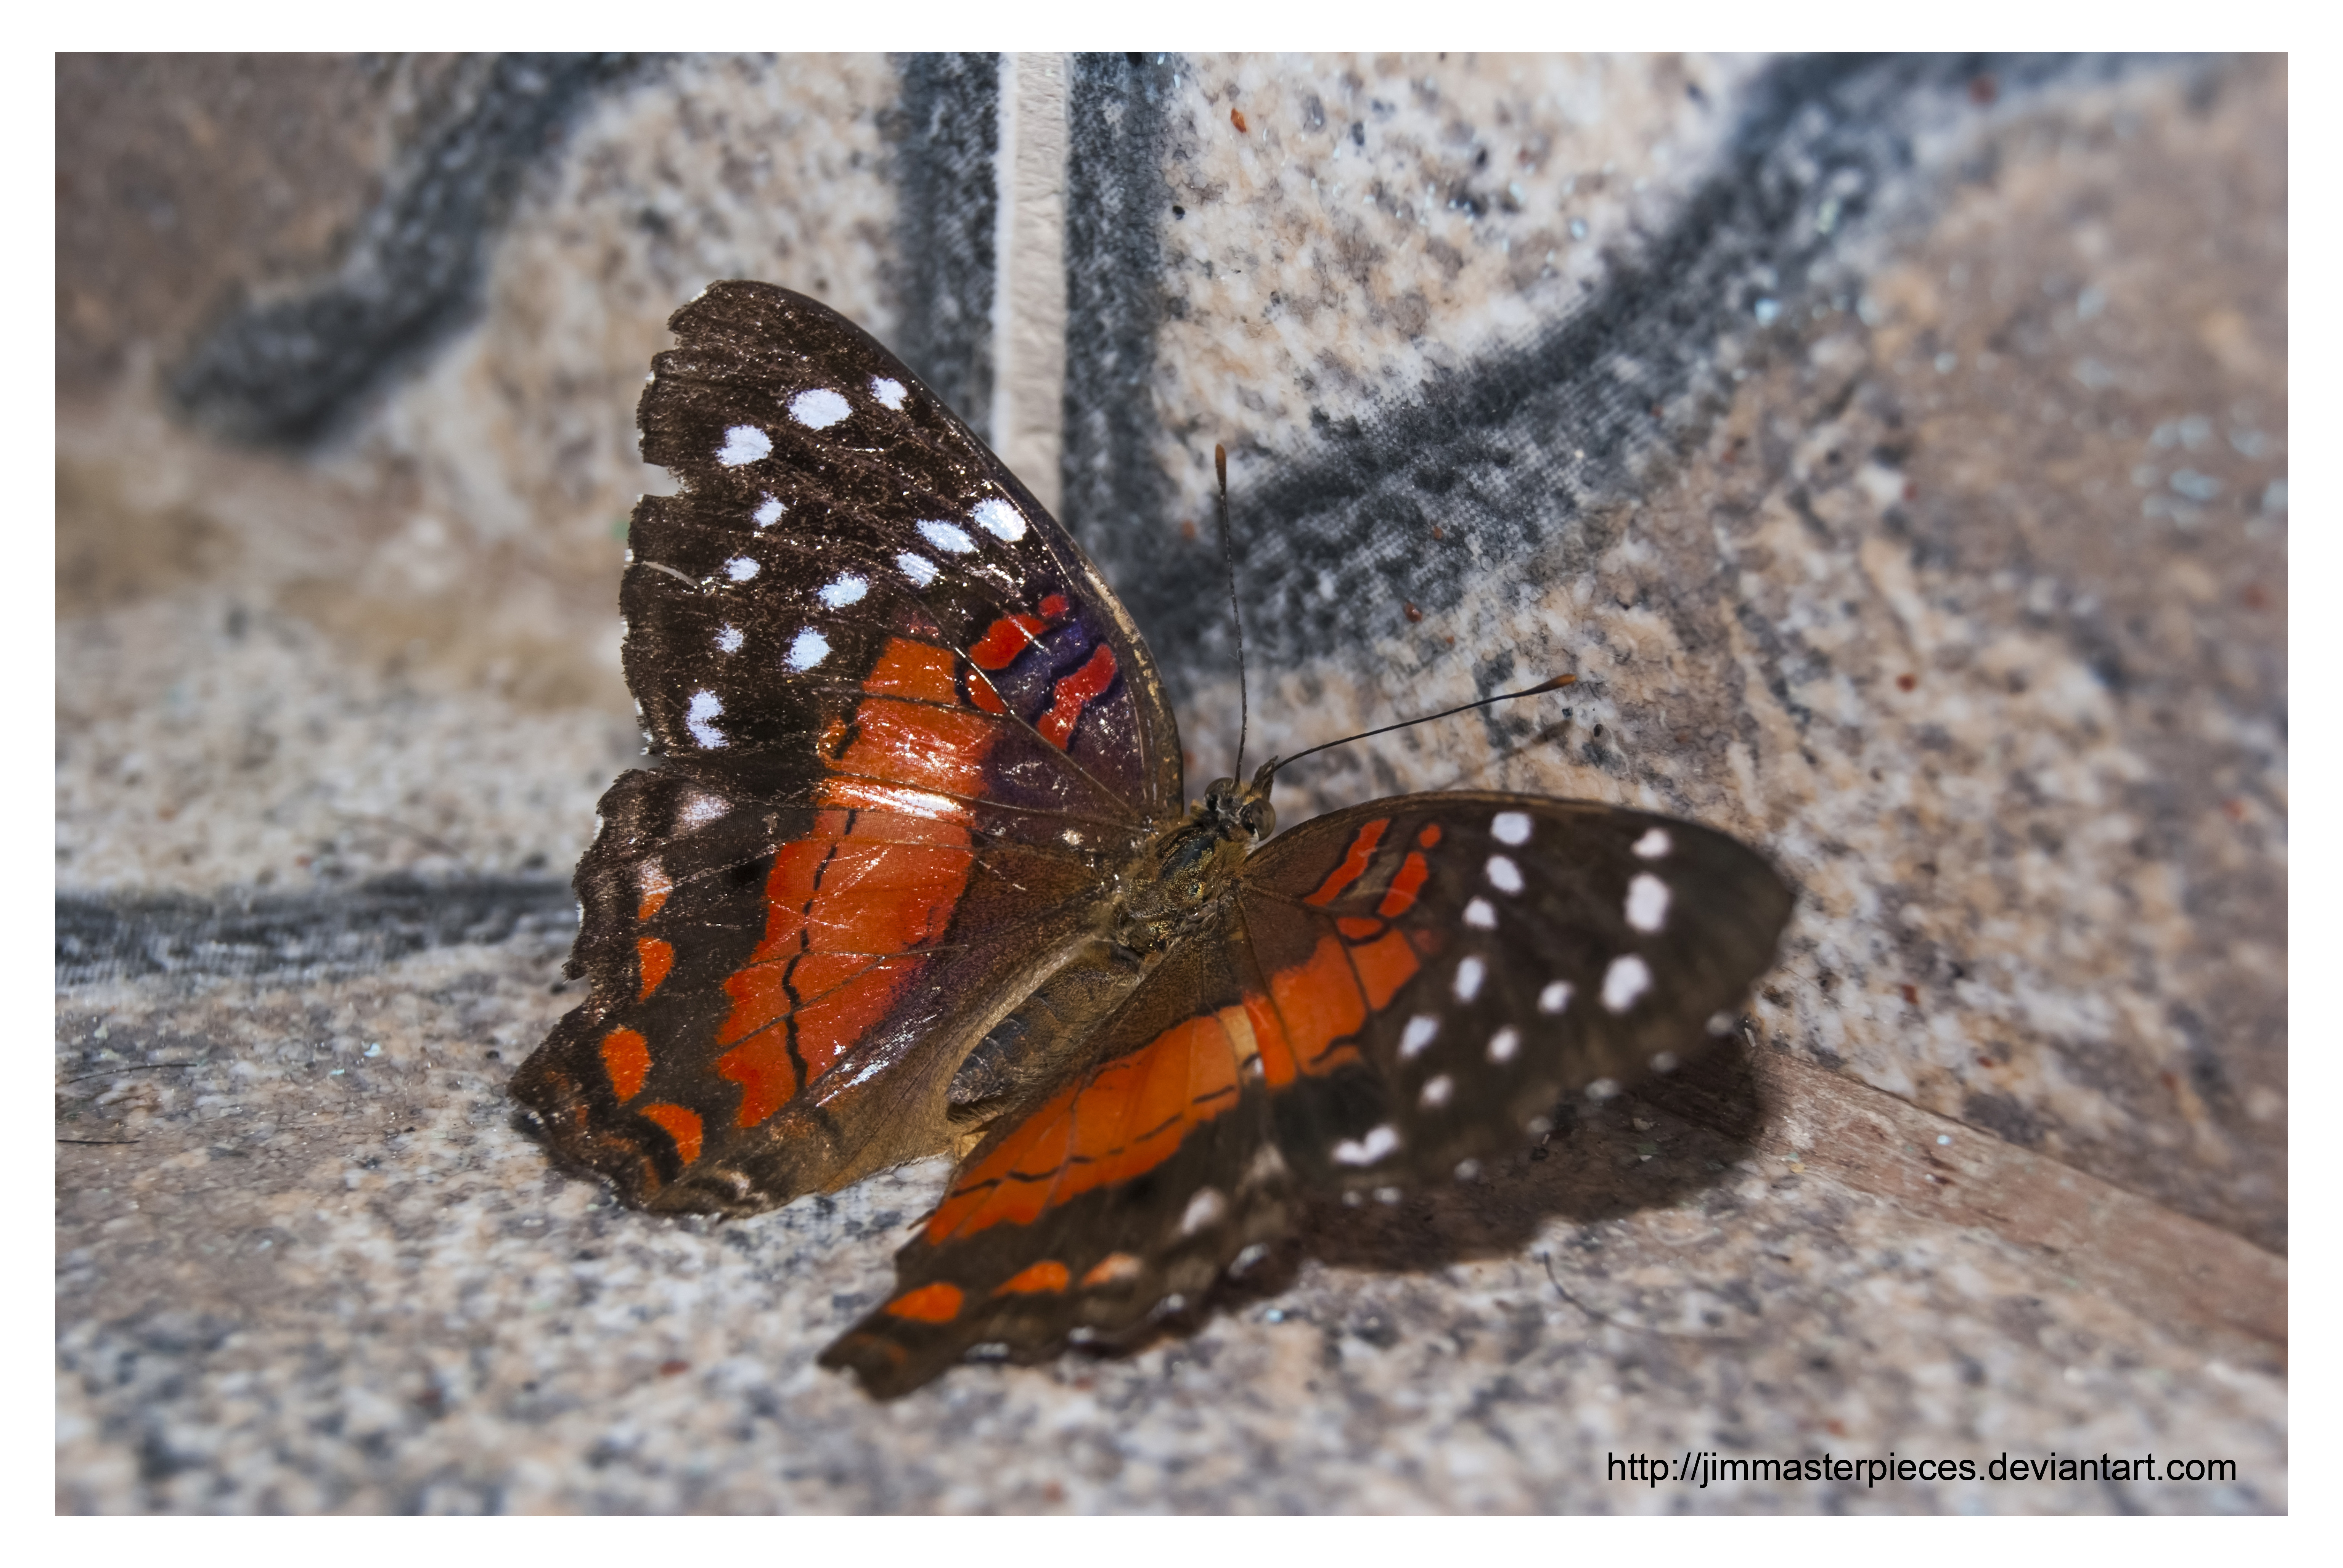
913	875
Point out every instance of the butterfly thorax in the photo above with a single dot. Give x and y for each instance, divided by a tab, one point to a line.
1185	870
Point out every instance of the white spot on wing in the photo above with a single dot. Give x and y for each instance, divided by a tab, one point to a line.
1482	913
743	444
999	519
700	807
1469	974
1503	1043
1647	903
888	390
768	512
846	590
739	568
810	649
730	639
701	719
1204	1209
819	409
1504	875
950	538
1654	843
1435	1091
1378	1142
1512	827
1555	997
1628	978
1421	1030
919	568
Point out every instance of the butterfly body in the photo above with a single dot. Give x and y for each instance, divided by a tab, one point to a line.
914	876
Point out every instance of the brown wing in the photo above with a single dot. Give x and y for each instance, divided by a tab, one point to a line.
1118	1198
903	725
1448	966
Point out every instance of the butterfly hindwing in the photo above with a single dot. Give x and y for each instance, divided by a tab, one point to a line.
1448	965
1108	1200
777	990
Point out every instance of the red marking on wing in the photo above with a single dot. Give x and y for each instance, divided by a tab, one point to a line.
1004	640
1359	927
1113	1268
1126	1120
1041	1279
1401	896
1430	836
656	959
936	1303
651	902
1075	693
1354	864
847	904
680	1124
980	692
1054	606
627	1058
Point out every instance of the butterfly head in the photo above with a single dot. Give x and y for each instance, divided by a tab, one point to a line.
1240	812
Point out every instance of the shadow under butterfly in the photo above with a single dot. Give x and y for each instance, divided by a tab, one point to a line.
914	874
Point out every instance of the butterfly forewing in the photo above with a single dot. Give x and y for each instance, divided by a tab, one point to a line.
1460	961
831	506
904	727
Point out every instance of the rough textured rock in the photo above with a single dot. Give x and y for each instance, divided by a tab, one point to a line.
1895	449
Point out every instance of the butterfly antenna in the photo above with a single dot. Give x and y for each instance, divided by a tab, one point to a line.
1269	770
1236	616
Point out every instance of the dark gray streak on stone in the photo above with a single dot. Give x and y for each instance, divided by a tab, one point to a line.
290	371
1116	196
101	938
1519	449
946	127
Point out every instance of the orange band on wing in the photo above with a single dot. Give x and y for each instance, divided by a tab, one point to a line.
1074	693
1319	1002
1127	1118
936	1303
680	1124
1401	896
918	670
1354	864
1041	1279
627	1058
1384	965
848	905
1430	836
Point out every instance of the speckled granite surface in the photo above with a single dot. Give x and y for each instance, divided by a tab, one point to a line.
1950	568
